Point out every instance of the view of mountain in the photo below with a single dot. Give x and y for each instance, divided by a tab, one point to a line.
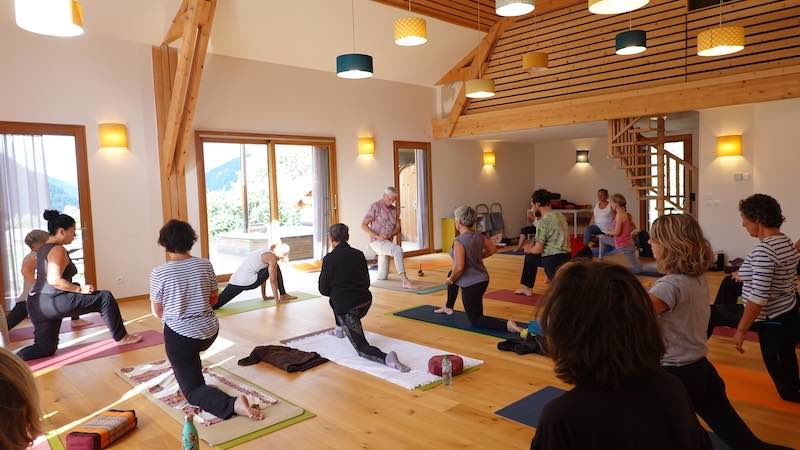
61	193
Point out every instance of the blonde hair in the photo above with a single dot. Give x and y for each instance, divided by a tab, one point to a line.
619	199
686	250
19	403
36	237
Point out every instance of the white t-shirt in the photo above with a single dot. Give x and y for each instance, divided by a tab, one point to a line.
247	273
602	217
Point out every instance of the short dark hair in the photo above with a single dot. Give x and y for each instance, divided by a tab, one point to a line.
541	197
339	232
762	209
604	191
177	236
600	325
57	220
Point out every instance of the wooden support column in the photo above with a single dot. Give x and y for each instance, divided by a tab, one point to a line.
176	75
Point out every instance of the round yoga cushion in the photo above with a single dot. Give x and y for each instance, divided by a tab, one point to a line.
435	364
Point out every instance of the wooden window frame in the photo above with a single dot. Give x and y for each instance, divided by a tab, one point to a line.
203	136
429	187
78	132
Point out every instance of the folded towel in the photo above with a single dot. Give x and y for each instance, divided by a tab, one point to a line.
286	358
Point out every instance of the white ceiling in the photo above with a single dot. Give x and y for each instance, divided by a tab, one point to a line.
301	33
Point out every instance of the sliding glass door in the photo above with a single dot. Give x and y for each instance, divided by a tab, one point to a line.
256	191
42	167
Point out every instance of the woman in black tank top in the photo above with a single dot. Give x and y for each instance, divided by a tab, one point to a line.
54	295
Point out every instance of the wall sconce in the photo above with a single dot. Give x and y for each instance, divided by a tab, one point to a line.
113	135
366	147
488	158
730	145
582	156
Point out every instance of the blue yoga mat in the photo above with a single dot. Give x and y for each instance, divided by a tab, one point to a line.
457	320
528	411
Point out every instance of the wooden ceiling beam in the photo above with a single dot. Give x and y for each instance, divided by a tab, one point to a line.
457	72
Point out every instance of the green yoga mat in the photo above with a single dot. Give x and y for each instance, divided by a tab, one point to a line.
263	432
257	303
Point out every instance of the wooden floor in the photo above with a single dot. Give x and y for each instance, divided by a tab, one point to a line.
356	410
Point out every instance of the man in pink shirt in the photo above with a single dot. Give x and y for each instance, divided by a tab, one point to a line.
382	223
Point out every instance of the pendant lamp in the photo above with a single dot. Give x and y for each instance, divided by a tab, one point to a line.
354	66
410	31
631	42
721	40
479	87
511	8
62	18
533	62
615	6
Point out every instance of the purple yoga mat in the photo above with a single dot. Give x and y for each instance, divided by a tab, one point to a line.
25	333
507	295
93	350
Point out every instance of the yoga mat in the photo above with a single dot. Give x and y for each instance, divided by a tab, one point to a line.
93	350
508	295
236	307
751	336
422	287
315	266
413	355
25	333
754	387
457	320
511	252
528	411
157	381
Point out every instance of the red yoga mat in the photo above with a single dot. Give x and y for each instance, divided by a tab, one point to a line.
751	336
93	350
25	333
507	295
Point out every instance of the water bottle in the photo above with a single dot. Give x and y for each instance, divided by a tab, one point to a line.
447	371
190	439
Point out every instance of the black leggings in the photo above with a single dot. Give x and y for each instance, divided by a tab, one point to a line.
472	298
231	290
777	338
550	263
47	310
707	393
20	312
351	322
184	356
452	292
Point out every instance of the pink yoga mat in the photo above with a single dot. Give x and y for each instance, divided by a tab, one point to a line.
25	333
93	350
507	295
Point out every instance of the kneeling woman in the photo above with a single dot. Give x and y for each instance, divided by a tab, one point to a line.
181	294
345	279
254	271
54	296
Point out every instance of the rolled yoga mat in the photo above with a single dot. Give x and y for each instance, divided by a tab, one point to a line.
528	411
25	333
457	320
252	304
93	350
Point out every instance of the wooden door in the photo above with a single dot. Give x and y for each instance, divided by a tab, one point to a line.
408	202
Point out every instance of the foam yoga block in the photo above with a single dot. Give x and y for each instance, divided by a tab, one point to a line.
102	431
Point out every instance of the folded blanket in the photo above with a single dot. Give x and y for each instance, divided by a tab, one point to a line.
286	358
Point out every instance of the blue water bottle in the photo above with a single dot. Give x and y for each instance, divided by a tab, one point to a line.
190	439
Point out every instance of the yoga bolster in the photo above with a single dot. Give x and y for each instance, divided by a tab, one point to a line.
435	364
102	431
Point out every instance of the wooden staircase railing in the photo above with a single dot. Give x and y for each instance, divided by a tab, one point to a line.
654	172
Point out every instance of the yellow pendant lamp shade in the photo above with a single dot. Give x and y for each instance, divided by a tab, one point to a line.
533	62
410	31
480	88
615	6
720	41
62	18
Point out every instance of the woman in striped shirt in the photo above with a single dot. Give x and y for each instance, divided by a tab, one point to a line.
768	275
182	292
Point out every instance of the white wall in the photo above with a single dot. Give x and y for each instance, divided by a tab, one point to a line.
84	82
770	156
556	171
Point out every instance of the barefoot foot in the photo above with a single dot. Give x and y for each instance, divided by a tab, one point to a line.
242	407
513	327
79	323
287	297
129	339
524	291
444	310
394	363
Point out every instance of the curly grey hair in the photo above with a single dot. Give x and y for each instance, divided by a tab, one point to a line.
466	216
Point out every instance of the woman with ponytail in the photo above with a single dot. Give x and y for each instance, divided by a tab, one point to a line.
54	295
